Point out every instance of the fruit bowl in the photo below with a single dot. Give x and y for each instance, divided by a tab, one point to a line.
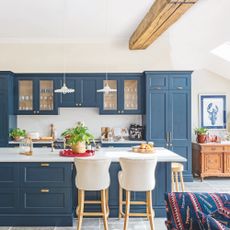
143	148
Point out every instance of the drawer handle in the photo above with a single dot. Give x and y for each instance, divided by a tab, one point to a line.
45	164
179	87
158	88
45	190
213	148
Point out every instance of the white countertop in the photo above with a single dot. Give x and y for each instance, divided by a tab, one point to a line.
123	142
45	155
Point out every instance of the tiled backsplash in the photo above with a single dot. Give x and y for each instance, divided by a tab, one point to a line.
68	117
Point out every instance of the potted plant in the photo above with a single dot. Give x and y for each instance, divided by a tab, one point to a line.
17	134
77	137
201	135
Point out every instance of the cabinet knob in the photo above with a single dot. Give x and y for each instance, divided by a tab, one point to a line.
37	111
34	112
167	144
45	190
119	111
170	144
76	104
122	111
79	104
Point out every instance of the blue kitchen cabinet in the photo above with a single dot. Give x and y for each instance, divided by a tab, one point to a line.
168	113
35	94
128	98
85	94
36	194
8	120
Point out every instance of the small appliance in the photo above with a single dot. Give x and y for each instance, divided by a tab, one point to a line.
136	132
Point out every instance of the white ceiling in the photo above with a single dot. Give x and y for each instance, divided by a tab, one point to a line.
83	20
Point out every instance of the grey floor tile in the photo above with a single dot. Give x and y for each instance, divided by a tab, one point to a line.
4	228
32	228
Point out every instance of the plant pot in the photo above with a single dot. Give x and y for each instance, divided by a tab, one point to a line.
79	147
18	138
201	138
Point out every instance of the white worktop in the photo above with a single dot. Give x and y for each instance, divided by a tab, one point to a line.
45	155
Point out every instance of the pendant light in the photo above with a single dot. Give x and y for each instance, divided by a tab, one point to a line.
106	88
64	89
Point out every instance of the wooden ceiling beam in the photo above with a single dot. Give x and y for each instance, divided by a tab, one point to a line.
160	17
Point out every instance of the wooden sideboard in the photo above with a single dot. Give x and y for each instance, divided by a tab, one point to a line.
211	159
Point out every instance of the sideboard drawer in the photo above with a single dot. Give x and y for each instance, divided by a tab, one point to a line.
227	148
46	200
212	148
9	174
9	200
46	174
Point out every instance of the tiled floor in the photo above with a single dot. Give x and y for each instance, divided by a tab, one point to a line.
208	185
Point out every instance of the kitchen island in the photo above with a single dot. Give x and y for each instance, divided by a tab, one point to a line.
39	189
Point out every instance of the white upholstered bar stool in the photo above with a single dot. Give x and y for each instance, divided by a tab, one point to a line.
92	175
137	175
177	172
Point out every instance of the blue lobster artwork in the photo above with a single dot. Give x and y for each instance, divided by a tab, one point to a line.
212	111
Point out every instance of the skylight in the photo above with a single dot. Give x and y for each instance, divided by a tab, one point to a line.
223	51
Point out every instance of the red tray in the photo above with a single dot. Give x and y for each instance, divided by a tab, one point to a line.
70	153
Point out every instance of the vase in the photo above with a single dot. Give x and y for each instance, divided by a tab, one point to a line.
79	147
201	138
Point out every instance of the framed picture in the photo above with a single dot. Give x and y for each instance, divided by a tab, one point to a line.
213	111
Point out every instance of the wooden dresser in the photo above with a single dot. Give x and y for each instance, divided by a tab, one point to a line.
211	159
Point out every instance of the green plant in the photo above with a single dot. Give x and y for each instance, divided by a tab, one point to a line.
201	131
80	133
17	133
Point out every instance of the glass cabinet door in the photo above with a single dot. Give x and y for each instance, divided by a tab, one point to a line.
25	88
110	99
130	94
46	101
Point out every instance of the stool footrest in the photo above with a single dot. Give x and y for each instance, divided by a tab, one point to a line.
92	202
93	214
135	202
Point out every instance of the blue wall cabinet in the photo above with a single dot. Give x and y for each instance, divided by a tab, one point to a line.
35	94
85	94
36	194
127	99
8	120
168	113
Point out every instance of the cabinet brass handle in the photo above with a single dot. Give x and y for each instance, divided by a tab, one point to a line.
45	164
45	190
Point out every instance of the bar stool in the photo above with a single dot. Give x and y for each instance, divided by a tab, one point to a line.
92	175
137	175
177	171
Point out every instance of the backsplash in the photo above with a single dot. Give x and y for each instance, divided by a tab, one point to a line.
68	117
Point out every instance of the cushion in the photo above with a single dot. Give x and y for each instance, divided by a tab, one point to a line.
207	222
222	215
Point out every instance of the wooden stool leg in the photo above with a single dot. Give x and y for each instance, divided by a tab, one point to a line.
177	184
107	201
182	181
103	207
127	204
150	209
173	182
81	208
147	207
120	202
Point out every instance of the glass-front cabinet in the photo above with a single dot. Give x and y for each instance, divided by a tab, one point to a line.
35	96
127	98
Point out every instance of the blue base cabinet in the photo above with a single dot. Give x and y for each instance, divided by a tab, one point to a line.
36	194
168	113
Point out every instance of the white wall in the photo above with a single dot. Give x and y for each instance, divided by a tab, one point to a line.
69	117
